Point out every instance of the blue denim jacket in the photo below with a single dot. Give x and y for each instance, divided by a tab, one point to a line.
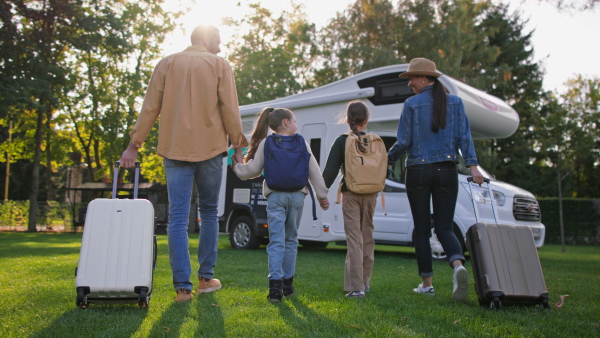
424	146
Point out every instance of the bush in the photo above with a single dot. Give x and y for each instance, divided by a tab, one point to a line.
13	214
581	219
50	214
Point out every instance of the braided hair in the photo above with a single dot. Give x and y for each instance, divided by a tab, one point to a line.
357	113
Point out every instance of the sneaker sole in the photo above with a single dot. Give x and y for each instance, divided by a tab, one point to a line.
209	290
462	291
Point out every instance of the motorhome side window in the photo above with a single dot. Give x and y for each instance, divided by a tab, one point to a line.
389	89
315	148
398	171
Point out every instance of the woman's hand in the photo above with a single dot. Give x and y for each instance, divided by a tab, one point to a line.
477	177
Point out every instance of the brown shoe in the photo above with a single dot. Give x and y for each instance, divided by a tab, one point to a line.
208	285
184	295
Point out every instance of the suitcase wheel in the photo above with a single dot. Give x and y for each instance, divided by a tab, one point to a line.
81	299
545	304
495	304
143	299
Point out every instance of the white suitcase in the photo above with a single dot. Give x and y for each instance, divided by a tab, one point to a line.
118	250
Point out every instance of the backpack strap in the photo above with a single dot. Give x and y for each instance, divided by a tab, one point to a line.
314	205
255	203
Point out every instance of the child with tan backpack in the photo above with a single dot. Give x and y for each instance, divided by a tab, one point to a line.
363	160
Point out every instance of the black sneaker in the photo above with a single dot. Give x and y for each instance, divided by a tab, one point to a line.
275	291
288	289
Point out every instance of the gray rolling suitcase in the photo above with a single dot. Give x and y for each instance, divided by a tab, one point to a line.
505	263
118	250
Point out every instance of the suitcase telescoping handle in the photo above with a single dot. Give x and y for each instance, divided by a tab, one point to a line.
492	202
136	181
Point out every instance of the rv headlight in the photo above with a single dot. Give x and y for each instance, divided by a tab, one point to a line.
498	197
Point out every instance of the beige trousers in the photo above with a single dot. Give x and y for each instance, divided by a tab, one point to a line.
358	213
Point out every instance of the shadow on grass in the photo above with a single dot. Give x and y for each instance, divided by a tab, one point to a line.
302	318
210	317
171	321
105	320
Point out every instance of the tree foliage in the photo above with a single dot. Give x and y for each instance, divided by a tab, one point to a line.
74	74
75	71
273	57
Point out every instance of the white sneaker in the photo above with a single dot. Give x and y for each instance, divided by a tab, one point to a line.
461	281
422	290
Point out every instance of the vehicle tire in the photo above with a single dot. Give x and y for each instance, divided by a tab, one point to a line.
314	244
437	251
242	235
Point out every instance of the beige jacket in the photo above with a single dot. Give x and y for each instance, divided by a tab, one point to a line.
194	93
255	167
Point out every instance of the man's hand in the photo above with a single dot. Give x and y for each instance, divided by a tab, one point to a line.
129	155
236	157
324	203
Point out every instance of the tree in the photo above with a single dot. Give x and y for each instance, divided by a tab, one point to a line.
273	58
362	37
578	5
370	34
110	64
47	39
515	77
566	133
43	29
582	102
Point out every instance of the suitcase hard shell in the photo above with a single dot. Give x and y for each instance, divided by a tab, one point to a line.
505	263
118	251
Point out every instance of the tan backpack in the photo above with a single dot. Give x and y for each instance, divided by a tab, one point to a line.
365	173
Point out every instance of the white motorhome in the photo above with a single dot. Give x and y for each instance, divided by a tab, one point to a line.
243	216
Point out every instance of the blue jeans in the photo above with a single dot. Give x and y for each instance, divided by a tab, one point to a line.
284	211
438	182
180	177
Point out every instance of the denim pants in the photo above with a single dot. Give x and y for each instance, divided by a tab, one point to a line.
358	211
180	177
284	211
438	182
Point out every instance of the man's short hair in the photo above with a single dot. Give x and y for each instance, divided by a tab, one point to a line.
202	32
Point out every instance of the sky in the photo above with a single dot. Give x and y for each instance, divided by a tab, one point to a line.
566	43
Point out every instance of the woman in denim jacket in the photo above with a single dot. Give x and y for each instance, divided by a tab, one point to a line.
433	127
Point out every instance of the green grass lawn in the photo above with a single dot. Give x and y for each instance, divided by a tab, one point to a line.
37	297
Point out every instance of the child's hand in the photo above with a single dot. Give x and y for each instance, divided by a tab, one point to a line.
324	204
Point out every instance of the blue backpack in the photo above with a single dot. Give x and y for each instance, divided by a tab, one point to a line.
286	164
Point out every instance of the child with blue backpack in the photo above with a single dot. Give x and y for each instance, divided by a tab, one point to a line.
289	170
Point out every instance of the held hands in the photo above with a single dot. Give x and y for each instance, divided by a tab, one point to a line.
324	203
236	157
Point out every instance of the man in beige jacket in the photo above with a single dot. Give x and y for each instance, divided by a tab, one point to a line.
194	93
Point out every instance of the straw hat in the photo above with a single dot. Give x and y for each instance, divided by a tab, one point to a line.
421	66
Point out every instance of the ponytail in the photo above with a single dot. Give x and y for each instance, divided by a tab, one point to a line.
261	129
269	118
439	105
357	113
